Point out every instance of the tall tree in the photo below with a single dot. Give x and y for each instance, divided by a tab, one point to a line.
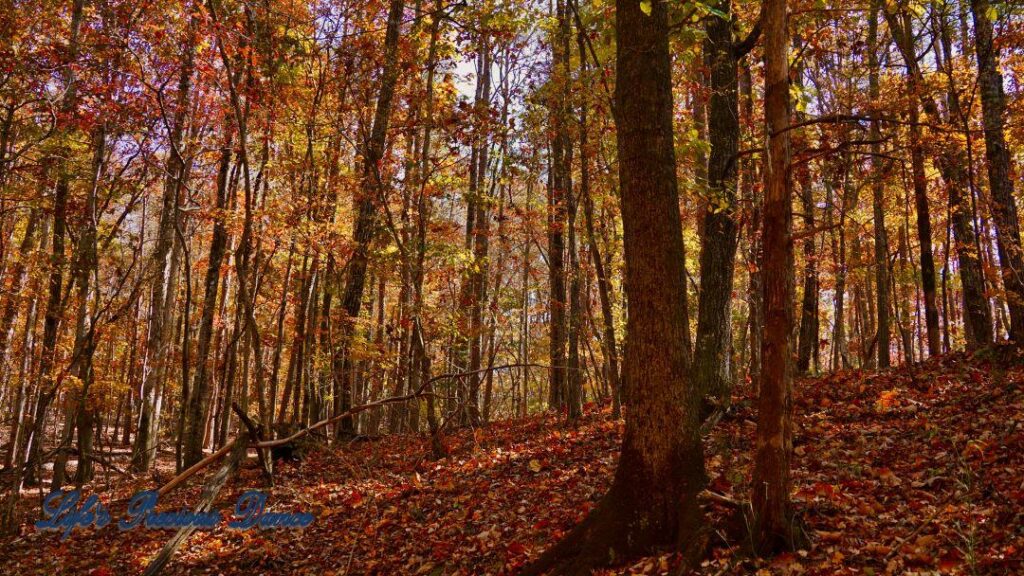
951	160
878	197
164	269
197	408
367	211
652	502
773	514
559	190
712	349
1004	206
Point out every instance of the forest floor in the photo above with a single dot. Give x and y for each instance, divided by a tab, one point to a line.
911	470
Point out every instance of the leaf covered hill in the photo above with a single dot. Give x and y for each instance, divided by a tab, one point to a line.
912	470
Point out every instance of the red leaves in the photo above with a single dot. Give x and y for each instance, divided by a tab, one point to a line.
880	492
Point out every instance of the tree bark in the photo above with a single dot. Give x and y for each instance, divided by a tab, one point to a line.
1004	207
711	360
652	502
773	514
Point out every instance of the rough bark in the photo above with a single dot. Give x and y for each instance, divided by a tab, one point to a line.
711	357
652	502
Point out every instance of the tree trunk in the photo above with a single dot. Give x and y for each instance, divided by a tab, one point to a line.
711	361
603	284
54	310
773	515
197	410
559	189
924	225
652	502
951	162
367	217
162	265
878	198
1004	207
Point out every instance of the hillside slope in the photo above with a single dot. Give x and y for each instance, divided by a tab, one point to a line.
916	469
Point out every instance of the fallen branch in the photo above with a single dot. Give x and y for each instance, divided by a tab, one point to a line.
419	393
237	447
722	499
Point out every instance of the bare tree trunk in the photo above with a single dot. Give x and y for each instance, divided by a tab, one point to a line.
478	276
611	352
924	225
163	267
711	360
773	514
559	189
878	199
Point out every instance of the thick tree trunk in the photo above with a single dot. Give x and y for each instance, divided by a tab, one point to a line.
773	515
652	502
1004	207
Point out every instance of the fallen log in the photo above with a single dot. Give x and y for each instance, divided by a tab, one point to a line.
421	392
237	449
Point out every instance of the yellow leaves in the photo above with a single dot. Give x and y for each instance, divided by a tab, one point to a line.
645	7
534	465
886	400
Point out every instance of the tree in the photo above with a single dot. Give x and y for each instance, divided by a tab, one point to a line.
878	199
653	498
773	515
367	211
711	357
1004	207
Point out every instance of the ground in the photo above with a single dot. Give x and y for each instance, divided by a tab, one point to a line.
911	470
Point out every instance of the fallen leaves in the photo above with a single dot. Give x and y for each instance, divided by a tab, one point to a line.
934	483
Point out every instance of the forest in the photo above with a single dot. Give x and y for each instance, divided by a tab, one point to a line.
512	286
